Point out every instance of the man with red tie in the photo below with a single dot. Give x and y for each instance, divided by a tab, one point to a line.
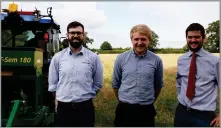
197	83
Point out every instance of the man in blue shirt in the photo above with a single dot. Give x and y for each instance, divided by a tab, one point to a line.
197	83
137	81
76	75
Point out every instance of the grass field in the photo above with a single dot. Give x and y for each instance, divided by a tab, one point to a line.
105	102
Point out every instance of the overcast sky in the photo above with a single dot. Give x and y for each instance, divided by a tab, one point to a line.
112	21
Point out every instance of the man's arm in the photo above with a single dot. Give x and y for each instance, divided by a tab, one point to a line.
117	76
97	75
53	75
216	121
178	79
217	70
158	79
157	92
217	74
116	93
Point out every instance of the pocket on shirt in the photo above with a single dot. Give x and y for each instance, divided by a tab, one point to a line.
86	70
146	81
147	76
86	66
129	80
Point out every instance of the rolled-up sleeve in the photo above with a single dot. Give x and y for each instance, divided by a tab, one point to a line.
159	74
53	75
98	74
117	73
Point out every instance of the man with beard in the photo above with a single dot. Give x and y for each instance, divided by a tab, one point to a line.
76	76
137	81
197	83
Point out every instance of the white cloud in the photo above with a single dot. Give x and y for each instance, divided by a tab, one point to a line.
168	19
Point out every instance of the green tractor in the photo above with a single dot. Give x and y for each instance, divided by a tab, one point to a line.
29	41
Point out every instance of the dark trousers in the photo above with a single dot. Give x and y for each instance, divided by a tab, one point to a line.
75	114
131	115
192	118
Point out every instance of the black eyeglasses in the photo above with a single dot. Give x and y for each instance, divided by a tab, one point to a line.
75	32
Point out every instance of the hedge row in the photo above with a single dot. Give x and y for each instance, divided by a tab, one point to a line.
158	51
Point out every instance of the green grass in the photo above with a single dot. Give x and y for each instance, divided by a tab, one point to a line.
105	102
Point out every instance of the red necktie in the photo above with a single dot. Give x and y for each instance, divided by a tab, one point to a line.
191	80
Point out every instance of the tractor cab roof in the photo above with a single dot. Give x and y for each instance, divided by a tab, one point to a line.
28	20
30	23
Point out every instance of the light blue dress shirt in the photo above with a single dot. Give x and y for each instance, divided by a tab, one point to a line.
136	77
75	77
207	80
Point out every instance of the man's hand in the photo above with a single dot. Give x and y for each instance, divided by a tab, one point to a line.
56	104
157	92
55	109
116	93
215	122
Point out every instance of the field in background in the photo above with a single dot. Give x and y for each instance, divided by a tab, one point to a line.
105	102
169	60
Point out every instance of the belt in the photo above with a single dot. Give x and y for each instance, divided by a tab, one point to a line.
138	105
188	108
191	109
76	104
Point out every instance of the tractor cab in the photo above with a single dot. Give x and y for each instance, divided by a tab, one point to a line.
25	29
29	41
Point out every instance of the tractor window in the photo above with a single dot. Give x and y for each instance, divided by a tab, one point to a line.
20	40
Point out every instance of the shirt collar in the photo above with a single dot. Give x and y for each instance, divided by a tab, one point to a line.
201	52
132	50
81	52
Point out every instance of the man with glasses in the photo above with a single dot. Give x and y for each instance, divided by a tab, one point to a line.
76	76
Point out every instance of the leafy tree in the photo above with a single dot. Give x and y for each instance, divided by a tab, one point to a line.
212	33
64	43
87	40
185	48
106	46
153	44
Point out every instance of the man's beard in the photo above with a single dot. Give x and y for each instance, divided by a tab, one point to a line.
200	45
75	44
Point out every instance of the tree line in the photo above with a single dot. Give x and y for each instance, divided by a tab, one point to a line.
211	44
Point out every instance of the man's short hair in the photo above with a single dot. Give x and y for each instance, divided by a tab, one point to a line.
196	27
74	24
143	30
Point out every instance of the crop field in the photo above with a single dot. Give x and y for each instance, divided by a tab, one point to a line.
105	102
